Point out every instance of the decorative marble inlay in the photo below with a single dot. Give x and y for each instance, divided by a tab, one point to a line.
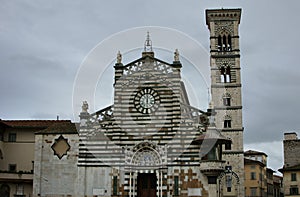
60	147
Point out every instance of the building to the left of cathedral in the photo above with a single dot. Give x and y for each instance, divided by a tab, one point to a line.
17	145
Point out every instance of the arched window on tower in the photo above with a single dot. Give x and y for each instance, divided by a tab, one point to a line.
229	43
222	74
227	121
227	99
225	74
219	43
224	44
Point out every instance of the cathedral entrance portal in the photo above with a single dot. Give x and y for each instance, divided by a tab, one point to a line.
147	184
146	168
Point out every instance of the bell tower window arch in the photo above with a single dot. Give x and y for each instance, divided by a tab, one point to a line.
225	73
227	121
224	42
229	43
226	99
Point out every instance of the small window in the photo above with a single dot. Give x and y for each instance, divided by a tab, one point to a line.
227	123
253	167
293	177
228	183
12	167
228	146
115	185
253	176
211	155
226	101
253	191
20	190
12	137
212	179
176	185
294	190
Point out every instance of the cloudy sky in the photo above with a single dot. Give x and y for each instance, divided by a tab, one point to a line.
43	43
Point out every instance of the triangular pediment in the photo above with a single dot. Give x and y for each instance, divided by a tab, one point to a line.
147	57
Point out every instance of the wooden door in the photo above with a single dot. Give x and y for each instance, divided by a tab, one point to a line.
146	185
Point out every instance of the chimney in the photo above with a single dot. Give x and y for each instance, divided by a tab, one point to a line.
290	136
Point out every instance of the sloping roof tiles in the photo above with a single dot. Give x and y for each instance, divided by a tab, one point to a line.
31	123
44	126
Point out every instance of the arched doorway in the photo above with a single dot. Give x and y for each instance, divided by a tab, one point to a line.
146	166
228	183
4	190
146	157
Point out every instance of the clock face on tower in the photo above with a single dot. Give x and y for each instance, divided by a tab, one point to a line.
146	100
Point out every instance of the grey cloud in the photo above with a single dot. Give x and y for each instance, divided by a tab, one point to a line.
42	44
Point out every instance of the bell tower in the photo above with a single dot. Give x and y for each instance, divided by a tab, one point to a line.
223	25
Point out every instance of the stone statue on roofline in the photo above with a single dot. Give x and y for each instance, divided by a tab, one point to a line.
119	57
85	106
176	55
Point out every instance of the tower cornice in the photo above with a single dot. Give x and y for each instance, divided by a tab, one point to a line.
223	15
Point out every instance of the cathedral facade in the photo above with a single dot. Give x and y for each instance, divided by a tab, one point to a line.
151	142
